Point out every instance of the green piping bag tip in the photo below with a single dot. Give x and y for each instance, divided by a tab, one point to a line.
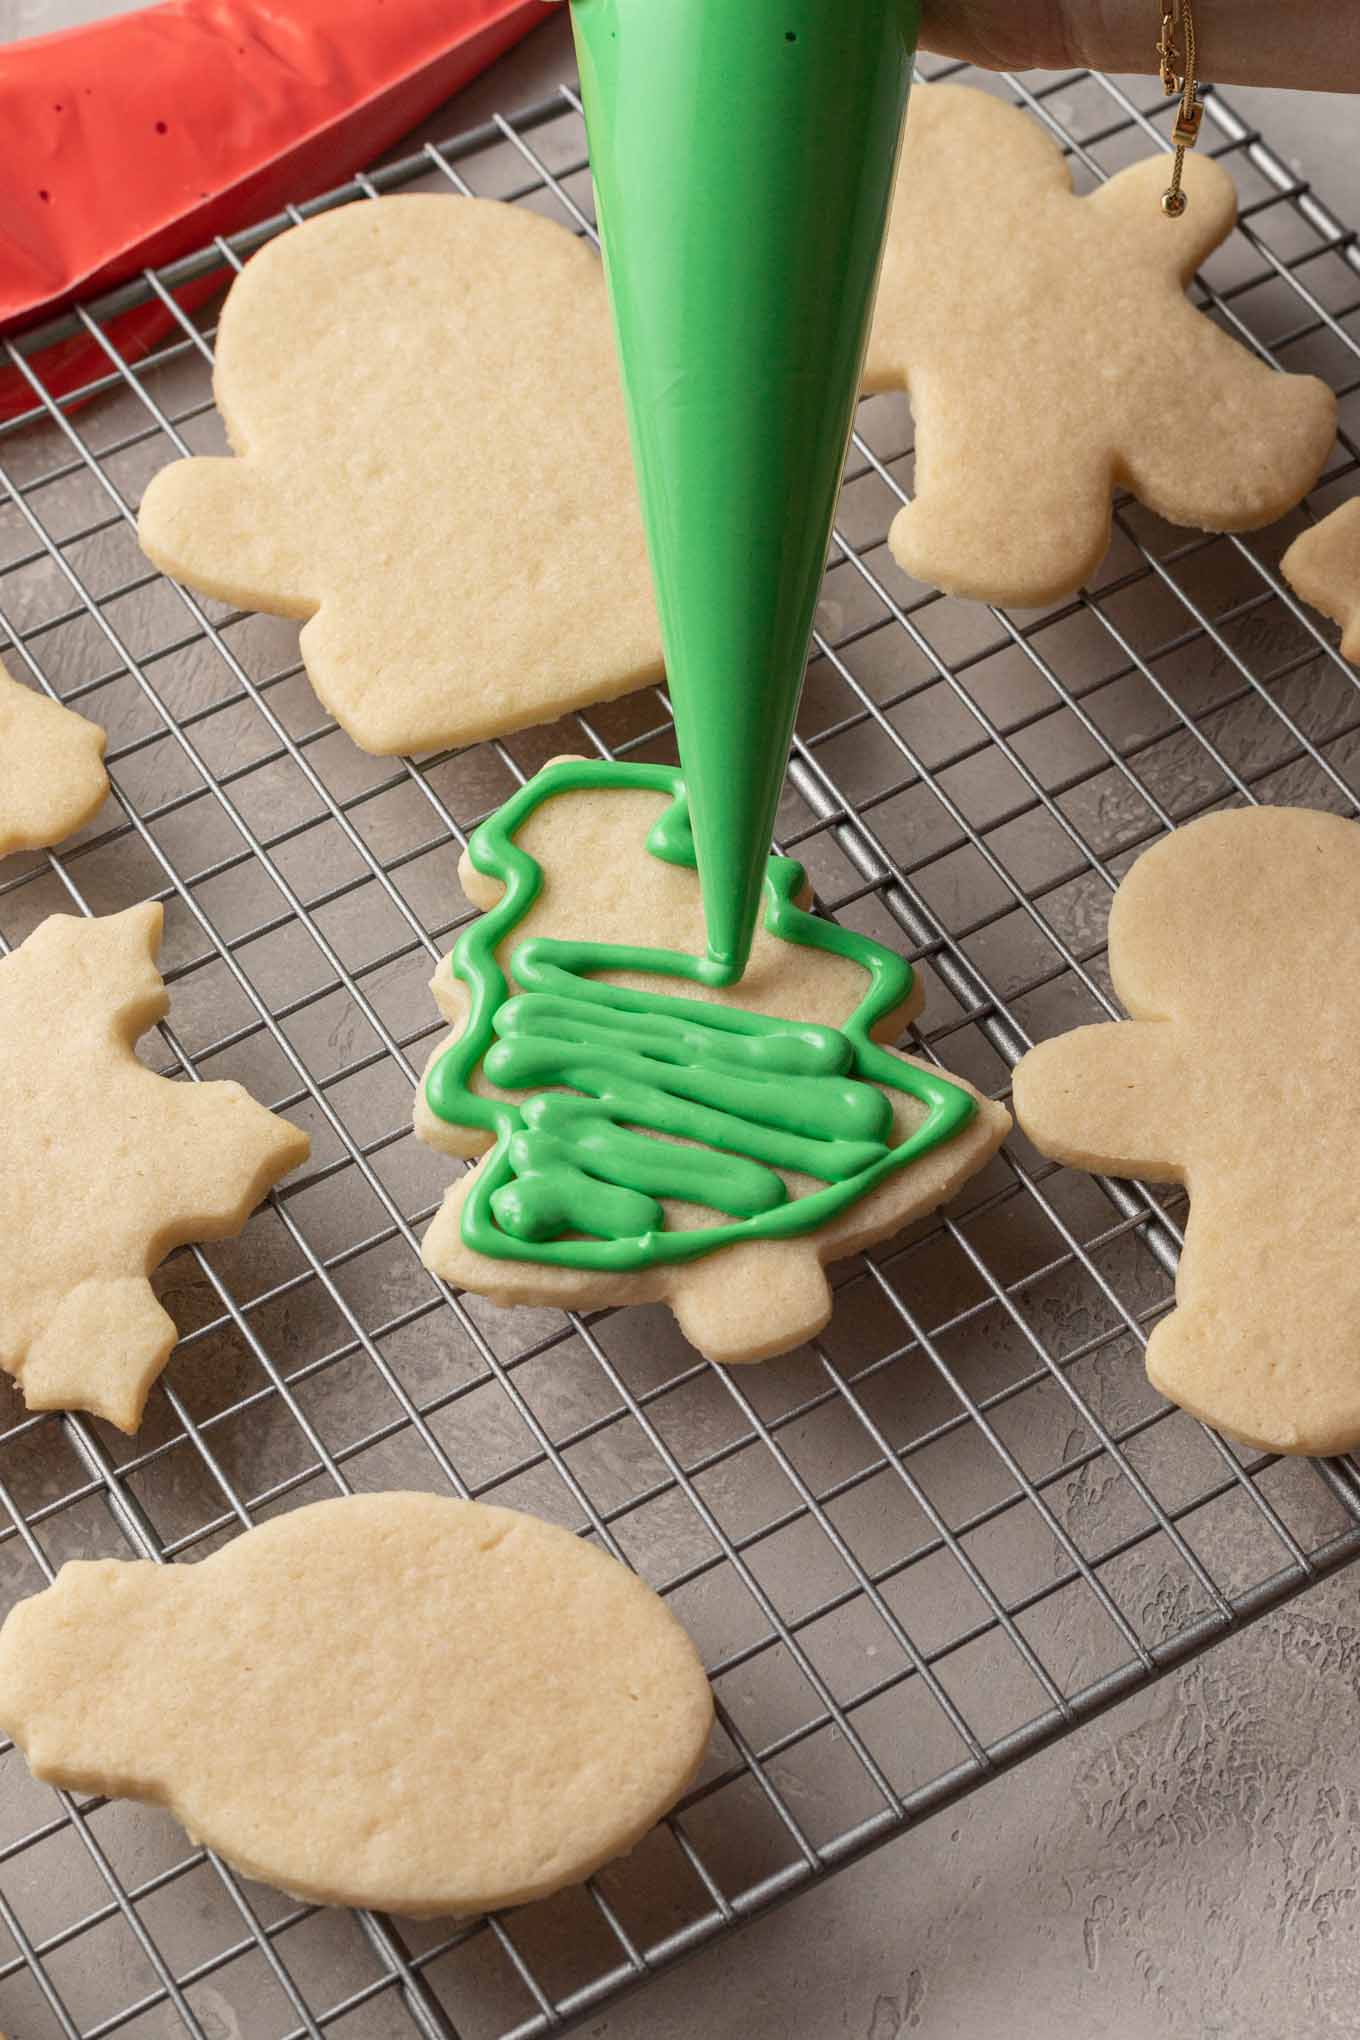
743	153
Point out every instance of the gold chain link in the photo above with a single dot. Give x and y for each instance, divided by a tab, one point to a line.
1178	76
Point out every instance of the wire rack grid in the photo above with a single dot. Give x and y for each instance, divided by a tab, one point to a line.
941	1536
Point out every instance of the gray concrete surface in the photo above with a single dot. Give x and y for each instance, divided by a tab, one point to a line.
1187	1867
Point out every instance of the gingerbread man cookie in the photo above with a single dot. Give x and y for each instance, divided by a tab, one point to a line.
1235	946
107	1165
52	778
1052	356
655	1135
434	1706
1323	566
432	468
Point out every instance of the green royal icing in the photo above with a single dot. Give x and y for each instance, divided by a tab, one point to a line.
757	1095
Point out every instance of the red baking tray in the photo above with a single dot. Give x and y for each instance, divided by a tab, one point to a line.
127	143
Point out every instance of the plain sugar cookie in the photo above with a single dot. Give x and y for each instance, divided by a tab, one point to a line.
652	1138
1052	355
433	470
107	1165
1323	566
433	1706
1235	946
433	464
52	778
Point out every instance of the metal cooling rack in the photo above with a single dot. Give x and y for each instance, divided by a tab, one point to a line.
920	1549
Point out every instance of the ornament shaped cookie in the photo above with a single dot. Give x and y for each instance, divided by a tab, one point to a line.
107	1165
433	469
52	778
435	1706
1052	356
1235	946
1323	566
654	1135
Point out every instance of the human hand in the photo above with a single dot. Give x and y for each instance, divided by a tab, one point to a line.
1308	43
1002	35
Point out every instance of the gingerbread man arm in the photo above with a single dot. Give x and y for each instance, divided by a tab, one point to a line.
1083	1099
220	526
1279	428
1323	566
1168	251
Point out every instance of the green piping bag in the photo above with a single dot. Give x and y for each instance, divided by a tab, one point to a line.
743	153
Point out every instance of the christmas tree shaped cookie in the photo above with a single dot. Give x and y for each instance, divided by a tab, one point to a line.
653	1134
434	1706
107	1166
1235	947
1323	565
432	468
52	777
1052	356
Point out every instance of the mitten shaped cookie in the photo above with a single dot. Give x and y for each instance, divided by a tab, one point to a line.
1051	356
654	1135
1323	566
434	1706
107	1165
52	777
1235	946
433	469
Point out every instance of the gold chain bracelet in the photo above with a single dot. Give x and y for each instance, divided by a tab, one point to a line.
1178	19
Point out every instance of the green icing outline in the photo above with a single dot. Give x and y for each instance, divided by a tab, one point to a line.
494	852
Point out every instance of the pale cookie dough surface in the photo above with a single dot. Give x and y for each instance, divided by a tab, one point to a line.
1235	946
744	1302
431	1706
434	466
1052	356
52	778
107	1166
1323	566
434	470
